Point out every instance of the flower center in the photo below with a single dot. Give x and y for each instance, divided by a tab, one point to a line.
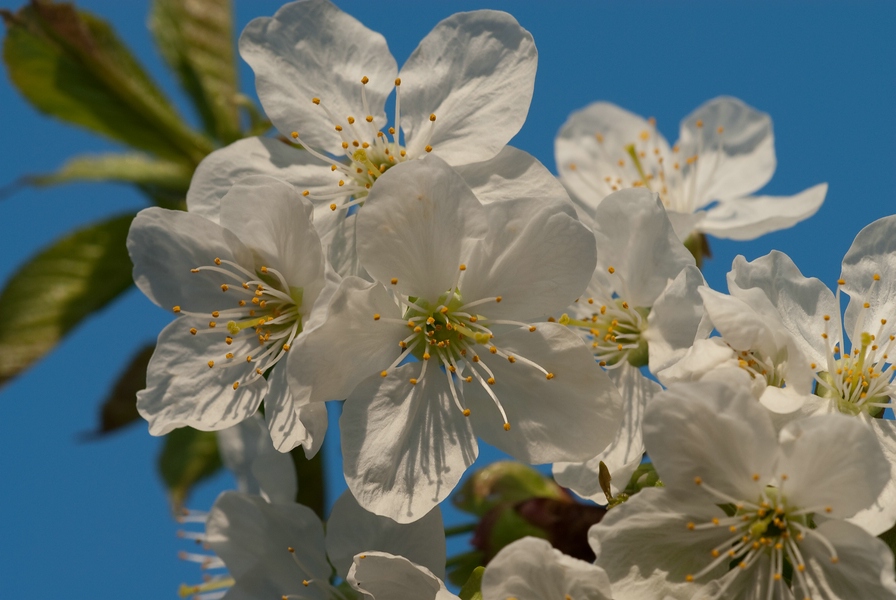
615	330
859	381
769	526
369	152
642	162
449	332
262	304
760	366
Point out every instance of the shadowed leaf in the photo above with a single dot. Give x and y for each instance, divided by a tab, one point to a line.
196	39
188	457
120	407
56	289
126	168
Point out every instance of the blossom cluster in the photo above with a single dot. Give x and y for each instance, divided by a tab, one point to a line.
447	288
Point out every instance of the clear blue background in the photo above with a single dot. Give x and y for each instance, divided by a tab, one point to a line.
90	520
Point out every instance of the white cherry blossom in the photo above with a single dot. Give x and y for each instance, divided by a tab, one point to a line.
746	512
243	289
724	153
457	287
851	358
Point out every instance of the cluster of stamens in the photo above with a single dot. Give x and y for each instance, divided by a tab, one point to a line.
614	329
448	332
761	367
329	591
858	381
643	163
213	586
368	151
263	305
767	527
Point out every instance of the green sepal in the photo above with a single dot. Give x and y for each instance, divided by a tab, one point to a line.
472	589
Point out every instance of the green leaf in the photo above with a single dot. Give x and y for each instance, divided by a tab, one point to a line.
71	65
196	39
120	407
310	477
472	589
128	168
188	457
56	289
889	538
501	483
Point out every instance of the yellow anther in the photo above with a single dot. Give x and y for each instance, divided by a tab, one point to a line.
426	356
506	426
215	314
305	192
876	277
549	376
316	100
398	81
176	309
344	147
295	135
383	373
305	582
249	359
333	206
466	412
443	310
511	359
866	305
228	340
755	476
720	130
194	270
413	381
364	80
428	148
827	317
462	267
532	327
211	364
229	355
224	287
841	282
493	350
212	324
698	480
468	378
691	525
217	261
473	318
498	298
699	123
236	384
490	381
351	120
432	117
393	281
376	316
339	128
611	270
689	578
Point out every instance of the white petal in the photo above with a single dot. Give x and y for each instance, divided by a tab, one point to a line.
378	574
734	163
881	515
512	175
328	362
181	389
537	256
352	530
820	473
584	160
222	168
476	72
415	224
782	401
259	469
531	568
624	454
292	425
570	417
635	237
165	244
646	548
404	446
703	361
311	49
253	537
753	216
774	284
712	432
274	221
873	252
864	568
676	320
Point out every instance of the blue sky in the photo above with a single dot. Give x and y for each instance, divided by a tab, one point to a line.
91	519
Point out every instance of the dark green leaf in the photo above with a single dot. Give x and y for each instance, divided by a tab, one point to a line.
129	168
889	538
196	39
56	289
472	589
71	65
120	407
188	457
310	477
